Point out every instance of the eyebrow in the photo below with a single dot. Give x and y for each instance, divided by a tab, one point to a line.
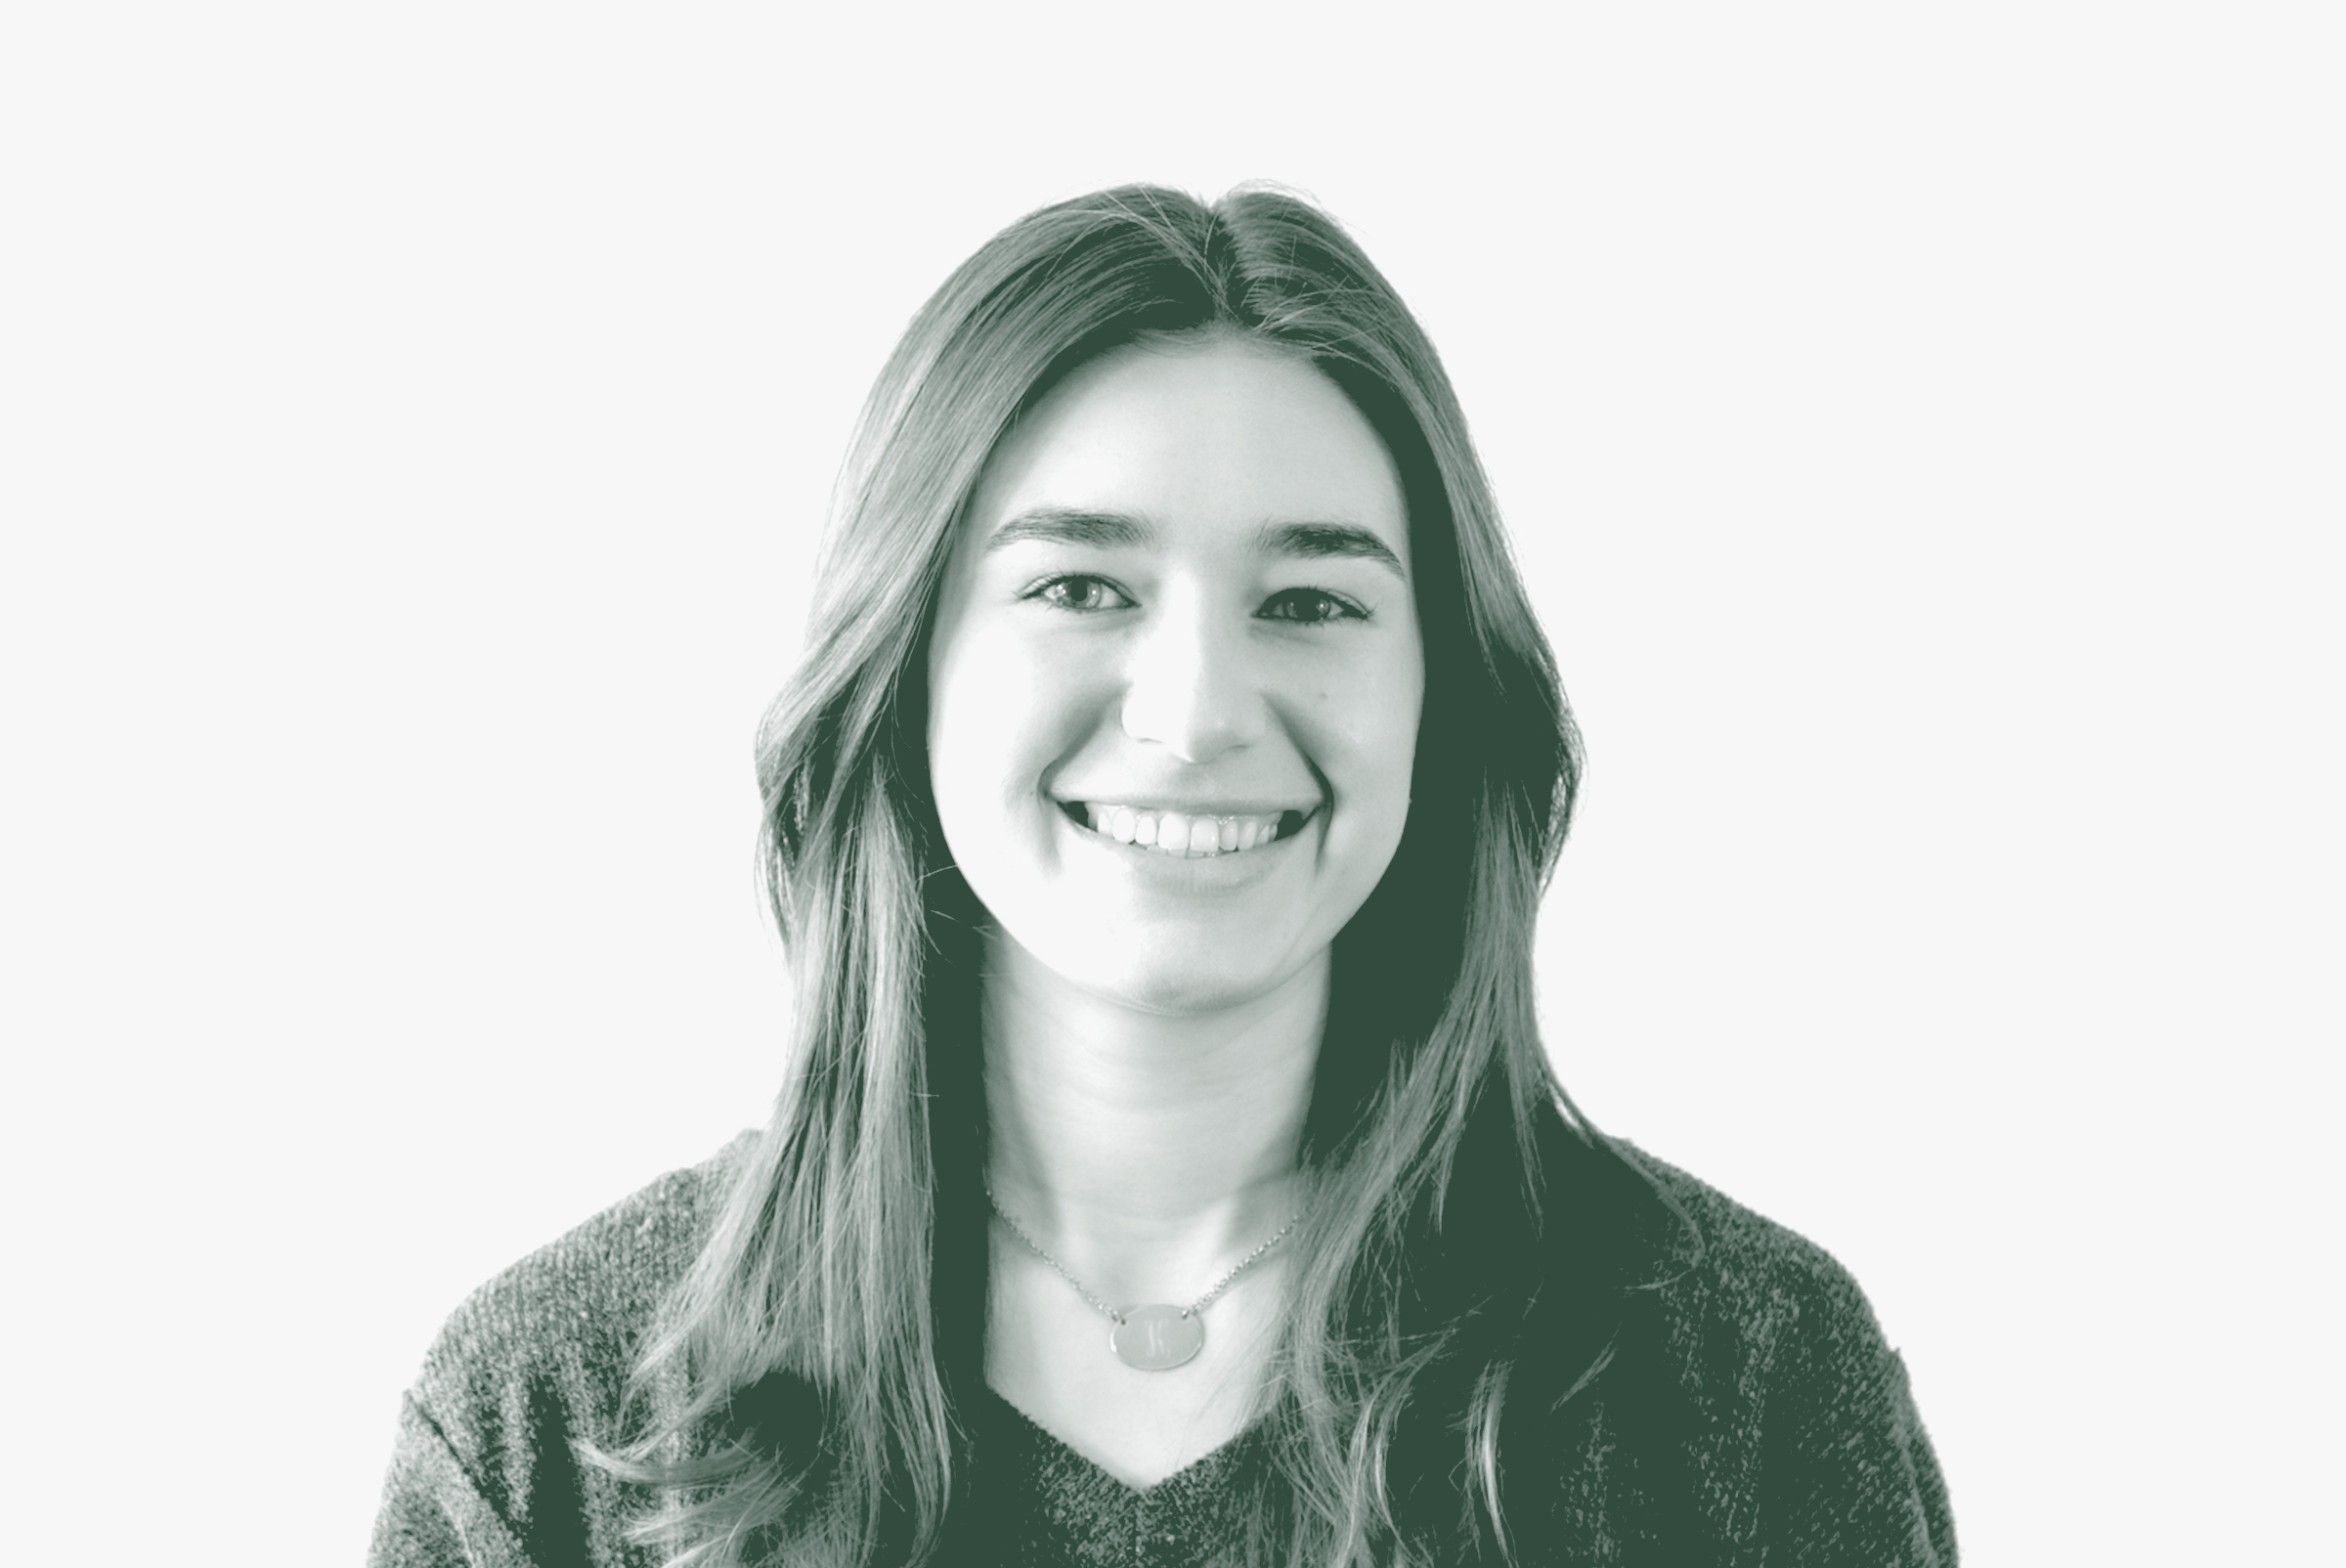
1066	525
1311	541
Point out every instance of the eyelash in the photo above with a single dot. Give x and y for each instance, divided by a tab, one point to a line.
1339	608
1056	592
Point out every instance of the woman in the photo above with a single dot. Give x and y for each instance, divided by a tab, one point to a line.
1169	1170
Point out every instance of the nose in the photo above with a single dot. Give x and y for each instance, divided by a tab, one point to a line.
1190	686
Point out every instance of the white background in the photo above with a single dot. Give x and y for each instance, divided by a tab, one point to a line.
1921	427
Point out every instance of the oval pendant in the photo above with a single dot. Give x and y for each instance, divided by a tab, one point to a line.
1157	1339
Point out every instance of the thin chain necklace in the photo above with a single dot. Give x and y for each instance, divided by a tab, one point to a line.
1157	1337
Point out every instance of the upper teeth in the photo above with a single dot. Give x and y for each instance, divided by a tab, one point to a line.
1180	832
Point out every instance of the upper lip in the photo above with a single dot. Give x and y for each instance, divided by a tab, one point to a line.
1190	806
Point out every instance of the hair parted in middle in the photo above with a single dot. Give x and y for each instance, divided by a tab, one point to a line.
842	1292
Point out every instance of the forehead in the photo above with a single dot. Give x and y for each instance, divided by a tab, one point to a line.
1197	432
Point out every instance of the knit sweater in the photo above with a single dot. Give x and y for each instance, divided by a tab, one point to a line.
1794	1439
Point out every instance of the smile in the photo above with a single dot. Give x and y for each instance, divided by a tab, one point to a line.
1185	835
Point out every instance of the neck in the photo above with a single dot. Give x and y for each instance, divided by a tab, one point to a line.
1126	1139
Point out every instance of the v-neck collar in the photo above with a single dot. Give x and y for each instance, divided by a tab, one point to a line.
1212	1460
1048	1504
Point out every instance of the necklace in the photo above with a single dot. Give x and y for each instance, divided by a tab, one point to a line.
1157	1337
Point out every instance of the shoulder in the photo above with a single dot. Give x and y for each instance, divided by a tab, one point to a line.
1800	1407
1756	1316
1735	1264
533	1364
587	1296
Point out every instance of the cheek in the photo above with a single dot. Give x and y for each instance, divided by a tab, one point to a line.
1389	712
1367	742
1000	718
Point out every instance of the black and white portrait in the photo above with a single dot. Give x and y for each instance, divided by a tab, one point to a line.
1173	789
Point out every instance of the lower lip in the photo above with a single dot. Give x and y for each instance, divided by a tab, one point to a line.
1232	868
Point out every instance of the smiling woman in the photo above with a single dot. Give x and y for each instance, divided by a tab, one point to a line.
1178	611
1168	1168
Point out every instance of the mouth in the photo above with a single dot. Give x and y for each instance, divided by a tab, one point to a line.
1183	835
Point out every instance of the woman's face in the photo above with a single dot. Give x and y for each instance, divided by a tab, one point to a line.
1176	675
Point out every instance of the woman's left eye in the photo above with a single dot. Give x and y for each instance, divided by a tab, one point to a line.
1310	607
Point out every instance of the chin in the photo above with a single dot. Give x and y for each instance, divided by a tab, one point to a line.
1182	990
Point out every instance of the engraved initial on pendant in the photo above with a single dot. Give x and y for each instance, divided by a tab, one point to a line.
1157	1339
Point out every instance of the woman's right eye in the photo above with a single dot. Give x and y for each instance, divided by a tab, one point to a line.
1081	593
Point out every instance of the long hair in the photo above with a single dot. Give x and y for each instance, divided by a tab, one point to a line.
833	1326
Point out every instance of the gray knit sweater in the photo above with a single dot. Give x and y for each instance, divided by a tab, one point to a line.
1796	1440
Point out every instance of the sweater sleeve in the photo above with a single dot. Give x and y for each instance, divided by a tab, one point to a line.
488	1470
433	1514
1851	1473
